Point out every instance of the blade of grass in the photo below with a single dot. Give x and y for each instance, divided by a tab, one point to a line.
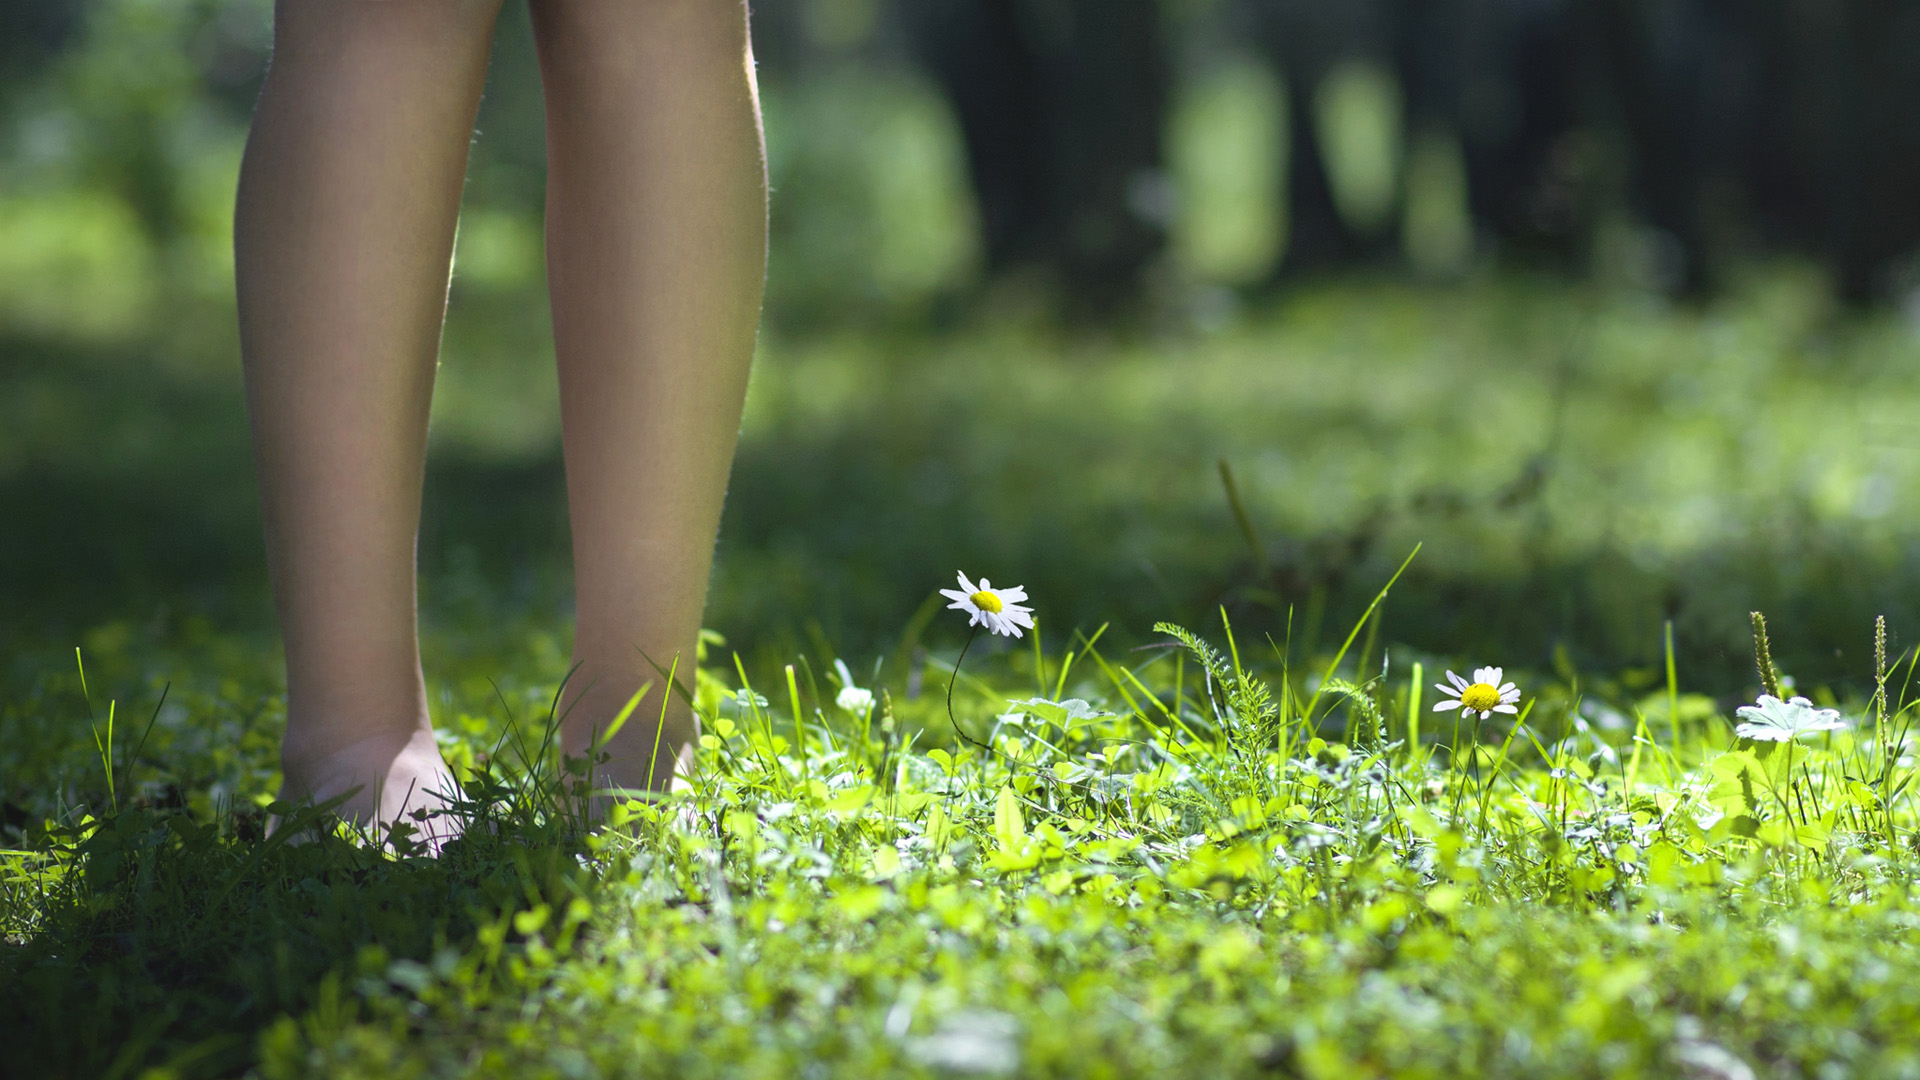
799	721
1261	564
1039	662
1673	694
1415	688
1355	632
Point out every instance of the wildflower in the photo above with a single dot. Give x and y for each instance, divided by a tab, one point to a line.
1773	720
855	700
1485	695
852	697
996	609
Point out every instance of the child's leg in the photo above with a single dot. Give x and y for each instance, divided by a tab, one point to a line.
656	252
343	235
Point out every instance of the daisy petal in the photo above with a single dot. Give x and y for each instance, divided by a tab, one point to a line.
1446	689
1447	705
1505	709
1458	681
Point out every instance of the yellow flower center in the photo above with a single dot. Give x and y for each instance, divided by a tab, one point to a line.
987	601
1480	697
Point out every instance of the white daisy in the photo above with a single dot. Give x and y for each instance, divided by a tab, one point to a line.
1485	695
855	700
996	609
1773	720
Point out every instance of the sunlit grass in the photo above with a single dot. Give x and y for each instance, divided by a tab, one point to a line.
1212	852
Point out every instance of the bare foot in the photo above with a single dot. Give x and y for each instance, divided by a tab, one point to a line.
389	779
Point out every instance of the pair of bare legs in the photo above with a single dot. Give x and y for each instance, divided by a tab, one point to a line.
343	237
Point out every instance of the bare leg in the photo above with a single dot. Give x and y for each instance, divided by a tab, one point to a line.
656	255
343	236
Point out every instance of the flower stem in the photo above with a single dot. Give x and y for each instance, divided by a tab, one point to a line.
955	677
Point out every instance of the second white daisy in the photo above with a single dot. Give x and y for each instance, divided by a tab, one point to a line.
1485	695
998	610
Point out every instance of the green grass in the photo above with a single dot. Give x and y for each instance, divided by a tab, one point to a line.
1217	860
1210	877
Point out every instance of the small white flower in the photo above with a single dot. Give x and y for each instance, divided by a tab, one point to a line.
1485	695
855	700
996	609
1773	720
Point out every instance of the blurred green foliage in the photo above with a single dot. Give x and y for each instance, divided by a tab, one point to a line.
1583	462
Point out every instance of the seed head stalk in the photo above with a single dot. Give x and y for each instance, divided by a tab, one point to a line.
1880	682
1763	655
1880	733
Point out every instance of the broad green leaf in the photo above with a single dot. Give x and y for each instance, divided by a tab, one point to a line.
1064	714
939	827
1009	824
850	800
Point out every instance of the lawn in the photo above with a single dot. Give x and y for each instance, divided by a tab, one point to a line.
1258	852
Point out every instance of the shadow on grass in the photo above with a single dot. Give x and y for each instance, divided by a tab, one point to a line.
864	481
162	942
847	533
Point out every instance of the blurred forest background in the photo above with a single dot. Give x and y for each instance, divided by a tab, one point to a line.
1612	304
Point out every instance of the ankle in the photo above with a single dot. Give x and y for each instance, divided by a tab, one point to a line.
316	758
